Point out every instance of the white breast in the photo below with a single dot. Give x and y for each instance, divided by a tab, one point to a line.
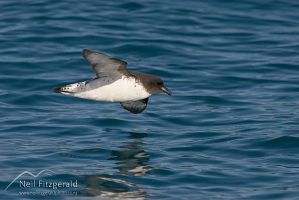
124	89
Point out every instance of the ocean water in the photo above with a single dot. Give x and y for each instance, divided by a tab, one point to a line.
230	130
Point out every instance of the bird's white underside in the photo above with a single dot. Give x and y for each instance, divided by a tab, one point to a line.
121	90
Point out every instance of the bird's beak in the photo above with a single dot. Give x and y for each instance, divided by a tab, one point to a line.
166	90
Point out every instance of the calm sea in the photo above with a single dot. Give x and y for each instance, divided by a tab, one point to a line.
230	130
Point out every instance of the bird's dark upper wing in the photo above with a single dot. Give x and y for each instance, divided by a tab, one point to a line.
104	65
135	106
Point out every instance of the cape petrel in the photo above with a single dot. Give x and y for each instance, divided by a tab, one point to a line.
115	83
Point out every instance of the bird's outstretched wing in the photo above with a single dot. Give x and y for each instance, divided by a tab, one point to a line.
135	106
105	66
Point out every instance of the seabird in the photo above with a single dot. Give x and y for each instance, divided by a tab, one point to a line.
115	83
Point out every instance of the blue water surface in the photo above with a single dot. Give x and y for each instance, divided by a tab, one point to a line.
230	130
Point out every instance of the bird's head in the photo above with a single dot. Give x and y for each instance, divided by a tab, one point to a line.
157	85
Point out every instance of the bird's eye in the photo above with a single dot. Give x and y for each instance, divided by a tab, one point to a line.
160	83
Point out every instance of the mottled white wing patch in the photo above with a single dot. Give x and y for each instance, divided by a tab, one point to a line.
104	65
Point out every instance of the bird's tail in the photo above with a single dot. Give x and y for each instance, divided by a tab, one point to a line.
64	89
71	88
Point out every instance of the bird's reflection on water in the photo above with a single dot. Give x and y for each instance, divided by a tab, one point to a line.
131	160
131	157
